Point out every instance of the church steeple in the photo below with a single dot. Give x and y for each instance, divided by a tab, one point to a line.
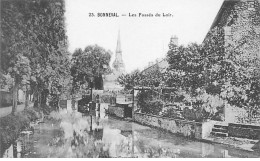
118	64
118	45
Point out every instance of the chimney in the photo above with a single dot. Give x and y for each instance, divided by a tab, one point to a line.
174	40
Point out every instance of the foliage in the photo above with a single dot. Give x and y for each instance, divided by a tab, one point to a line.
50	57
129	80
147	103
222	68
212	72
236	71
88	66
154	78
137	78
188	73
203	107
185	68
11	125
34	46
171	112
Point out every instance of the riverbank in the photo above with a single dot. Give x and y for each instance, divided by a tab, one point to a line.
7	110
12	125
67	133
239	143
196	130
234	142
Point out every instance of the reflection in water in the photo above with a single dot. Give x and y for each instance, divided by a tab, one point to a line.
19	148
71	137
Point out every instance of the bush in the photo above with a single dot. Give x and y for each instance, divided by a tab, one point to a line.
194	115
31	114
152	107
197	106
148	104
204	106
11	125
172	111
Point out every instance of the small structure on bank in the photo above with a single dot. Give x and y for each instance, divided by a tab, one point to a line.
122	106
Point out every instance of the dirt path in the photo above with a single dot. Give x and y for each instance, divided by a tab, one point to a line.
7	110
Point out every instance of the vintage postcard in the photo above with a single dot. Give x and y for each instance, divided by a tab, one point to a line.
130	79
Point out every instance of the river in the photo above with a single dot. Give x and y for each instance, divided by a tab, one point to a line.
72	136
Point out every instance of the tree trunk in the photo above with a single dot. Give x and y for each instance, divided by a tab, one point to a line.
39	99
15	91
73	102
44	95
26	99
36	99
101	83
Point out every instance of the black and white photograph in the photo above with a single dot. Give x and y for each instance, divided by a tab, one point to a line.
130	79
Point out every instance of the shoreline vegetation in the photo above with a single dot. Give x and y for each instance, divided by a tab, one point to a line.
12	125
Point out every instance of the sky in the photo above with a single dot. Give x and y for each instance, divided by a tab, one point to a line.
143	39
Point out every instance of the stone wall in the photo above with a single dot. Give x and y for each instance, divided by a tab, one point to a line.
244	131
186	128
117	111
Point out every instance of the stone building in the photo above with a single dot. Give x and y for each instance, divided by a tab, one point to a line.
233	19
233	12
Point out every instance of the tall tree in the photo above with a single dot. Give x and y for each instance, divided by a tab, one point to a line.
35	31
186	68
14	45
49	57
89	65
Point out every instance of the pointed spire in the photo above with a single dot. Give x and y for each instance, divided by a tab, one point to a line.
118	46
118	63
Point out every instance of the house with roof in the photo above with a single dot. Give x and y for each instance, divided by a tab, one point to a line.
233	19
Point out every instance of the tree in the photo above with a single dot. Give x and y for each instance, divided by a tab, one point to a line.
49	56
152	79
88	66
186	68
137	78
34	34
14	46
130	80
188	72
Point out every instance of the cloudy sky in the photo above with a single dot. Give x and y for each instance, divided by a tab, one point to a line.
143	39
